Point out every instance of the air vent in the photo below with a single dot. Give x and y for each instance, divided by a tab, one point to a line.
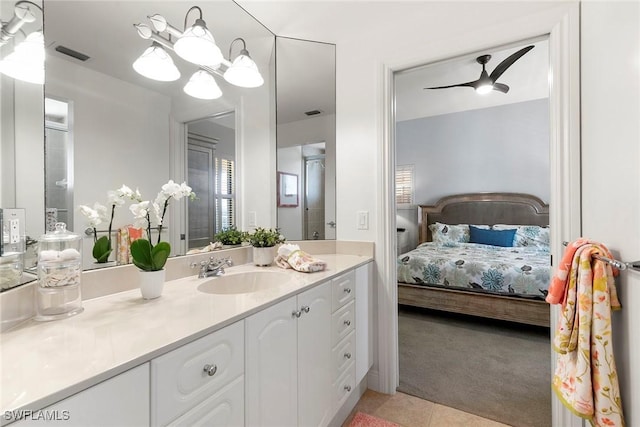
72	53
313	112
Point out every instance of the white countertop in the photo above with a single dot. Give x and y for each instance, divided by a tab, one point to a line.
44	362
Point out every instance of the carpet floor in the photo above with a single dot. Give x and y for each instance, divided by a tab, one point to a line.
497	370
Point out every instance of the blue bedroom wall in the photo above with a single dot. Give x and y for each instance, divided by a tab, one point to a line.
504	149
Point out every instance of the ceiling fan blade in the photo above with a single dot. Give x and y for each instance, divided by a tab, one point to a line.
467	84
501	87
502	67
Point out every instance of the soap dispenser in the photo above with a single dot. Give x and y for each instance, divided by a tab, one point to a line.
59	271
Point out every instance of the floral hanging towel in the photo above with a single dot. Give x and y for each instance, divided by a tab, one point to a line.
585	378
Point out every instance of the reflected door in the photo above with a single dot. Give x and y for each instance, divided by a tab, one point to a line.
314	198
201	179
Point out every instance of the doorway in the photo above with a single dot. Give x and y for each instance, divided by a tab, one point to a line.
211	175
314	197
457	141
58	163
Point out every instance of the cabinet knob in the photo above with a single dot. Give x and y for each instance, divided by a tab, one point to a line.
347	387
347	355
296	313
306	308
210	369
347	290
347	322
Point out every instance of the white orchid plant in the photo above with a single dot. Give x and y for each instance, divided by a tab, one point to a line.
102	247
147	256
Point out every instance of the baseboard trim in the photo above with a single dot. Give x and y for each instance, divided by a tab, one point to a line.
373	381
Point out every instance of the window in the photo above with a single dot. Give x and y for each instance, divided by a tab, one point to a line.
225	194
404	184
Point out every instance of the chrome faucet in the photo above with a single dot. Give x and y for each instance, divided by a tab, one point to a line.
213	267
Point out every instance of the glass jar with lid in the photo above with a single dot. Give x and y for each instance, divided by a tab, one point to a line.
59	270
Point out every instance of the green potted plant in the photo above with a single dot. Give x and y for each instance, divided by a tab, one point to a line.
230	236
150	258
264	241
102	246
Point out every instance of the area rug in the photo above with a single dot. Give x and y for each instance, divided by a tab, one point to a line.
361	419
493	369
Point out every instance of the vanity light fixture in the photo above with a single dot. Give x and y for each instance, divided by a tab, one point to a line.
243	71
26	62
196	45
155	63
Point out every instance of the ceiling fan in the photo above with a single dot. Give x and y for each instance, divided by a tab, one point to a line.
487	82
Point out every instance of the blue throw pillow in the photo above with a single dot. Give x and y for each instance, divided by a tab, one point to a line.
502	238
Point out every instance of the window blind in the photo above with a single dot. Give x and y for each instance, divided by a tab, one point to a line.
404	184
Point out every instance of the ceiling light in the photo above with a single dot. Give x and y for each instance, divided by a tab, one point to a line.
243	71
26	62
197	45
155	63
202	85
484	89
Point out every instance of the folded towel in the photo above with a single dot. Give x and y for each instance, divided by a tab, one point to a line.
290	256
125	235
585	378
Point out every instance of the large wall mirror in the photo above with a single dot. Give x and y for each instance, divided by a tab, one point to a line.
306	141
109	125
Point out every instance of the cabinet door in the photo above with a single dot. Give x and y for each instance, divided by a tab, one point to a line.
119	401
271	366
314	357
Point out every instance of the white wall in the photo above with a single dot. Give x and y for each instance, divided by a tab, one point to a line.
610	64
120	136
361	65
473	151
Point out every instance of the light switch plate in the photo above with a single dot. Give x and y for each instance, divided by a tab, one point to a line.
363	220
253	221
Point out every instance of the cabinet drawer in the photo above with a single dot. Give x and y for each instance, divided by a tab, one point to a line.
225	408
343	355
343	322
179	381
343	289
344	387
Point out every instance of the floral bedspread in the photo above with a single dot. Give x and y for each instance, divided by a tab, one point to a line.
518	271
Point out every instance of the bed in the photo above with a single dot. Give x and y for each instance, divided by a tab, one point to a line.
481	254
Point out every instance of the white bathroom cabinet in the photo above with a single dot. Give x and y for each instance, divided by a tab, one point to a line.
294	363
119	401
288	356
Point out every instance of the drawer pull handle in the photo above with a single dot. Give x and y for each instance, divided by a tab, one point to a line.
347	290
296	313
347	387
347	355
347	322
306	308
210	369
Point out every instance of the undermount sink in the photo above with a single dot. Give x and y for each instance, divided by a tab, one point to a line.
244	283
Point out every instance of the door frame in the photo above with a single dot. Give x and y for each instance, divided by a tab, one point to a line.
563	28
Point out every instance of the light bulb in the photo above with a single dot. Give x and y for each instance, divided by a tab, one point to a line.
155	63
197	46
202	85
244	72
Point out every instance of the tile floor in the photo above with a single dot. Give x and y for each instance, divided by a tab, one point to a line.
410	411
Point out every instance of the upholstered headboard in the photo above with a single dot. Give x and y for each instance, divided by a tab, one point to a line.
484	208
